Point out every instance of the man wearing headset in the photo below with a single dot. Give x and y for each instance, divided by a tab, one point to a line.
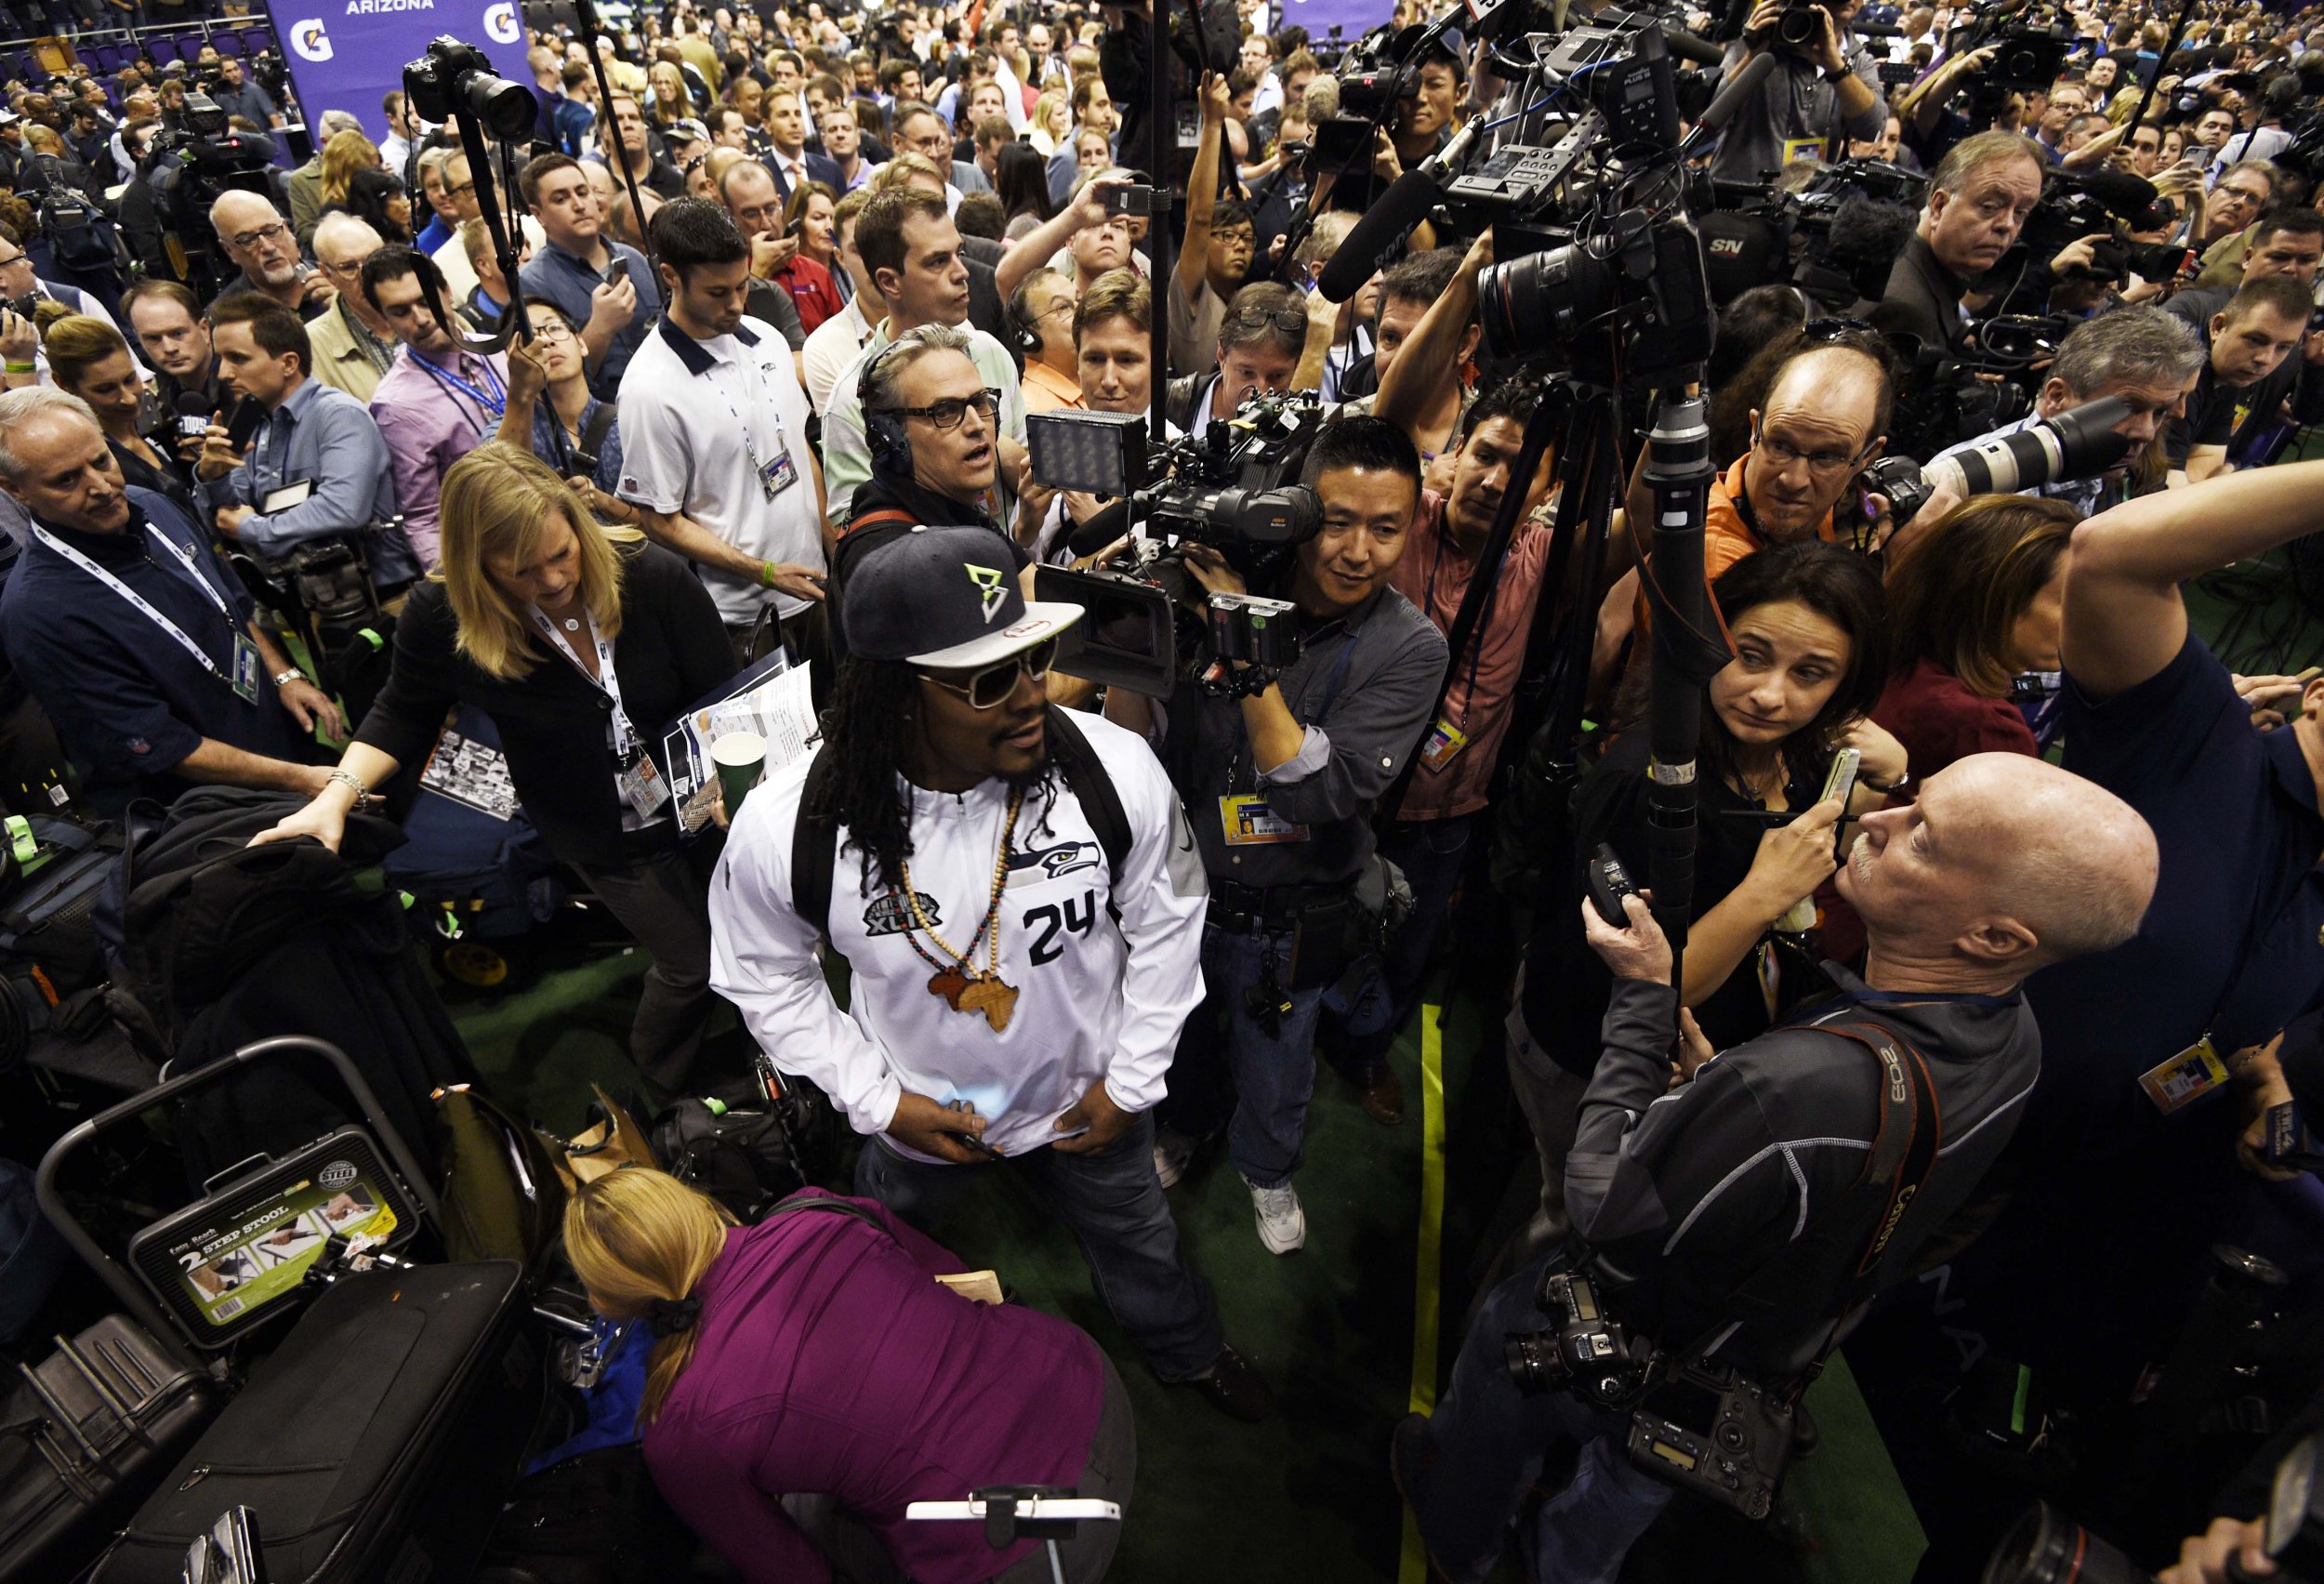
933	429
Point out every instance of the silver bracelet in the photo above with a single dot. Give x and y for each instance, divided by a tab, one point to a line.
288	675
363	793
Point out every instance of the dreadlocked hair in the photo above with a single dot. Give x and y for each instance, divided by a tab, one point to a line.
867	725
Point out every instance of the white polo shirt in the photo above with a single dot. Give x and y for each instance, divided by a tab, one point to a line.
686	407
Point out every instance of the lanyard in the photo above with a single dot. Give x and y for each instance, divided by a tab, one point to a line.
137	603
751	398
607	682
495	401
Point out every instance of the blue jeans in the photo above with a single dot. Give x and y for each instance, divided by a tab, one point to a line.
1113	1203
1488	1443
1434	855
1273	1074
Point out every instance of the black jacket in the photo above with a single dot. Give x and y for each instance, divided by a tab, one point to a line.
671	651
1690	1192
1928	294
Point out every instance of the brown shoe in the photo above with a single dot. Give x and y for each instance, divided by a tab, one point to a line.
1381	1093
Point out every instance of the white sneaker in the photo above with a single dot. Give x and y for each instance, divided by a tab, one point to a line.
1282	1224
1171	1152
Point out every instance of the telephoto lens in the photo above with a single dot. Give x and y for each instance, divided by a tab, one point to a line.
2046	1547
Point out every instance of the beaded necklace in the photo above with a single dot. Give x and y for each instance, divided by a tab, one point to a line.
965	987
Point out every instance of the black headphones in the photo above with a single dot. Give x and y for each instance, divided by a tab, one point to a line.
884	431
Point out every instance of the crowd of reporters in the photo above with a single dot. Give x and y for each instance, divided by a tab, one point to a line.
790	293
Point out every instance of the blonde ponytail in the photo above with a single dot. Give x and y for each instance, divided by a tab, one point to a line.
641	1242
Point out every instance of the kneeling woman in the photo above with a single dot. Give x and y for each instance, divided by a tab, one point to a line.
579	641
817	1353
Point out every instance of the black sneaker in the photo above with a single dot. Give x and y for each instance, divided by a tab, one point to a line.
1234	1388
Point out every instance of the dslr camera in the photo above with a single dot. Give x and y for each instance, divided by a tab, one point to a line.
455	78
1695	1424
1150	622
1797	30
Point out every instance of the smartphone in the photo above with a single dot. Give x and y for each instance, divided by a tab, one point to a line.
1841	781
249	413
622	269
1609	883
1128	199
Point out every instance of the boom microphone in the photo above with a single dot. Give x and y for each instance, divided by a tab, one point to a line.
1686	46
1404	206
1741	84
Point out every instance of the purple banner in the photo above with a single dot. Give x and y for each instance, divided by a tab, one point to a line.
349	54
1356	18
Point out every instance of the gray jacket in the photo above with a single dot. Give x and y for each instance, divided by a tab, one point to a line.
1794	103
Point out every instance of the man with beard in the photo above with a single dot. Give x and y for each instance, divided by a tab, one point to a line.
258	240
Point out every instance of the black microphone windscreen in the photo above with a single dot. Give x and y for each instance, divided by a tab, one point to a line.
193	404
1108	525
1686	46
2119	190
1404	206
1741	84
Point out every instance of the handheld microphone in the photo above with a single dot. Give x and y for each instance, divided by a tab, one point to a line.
194	411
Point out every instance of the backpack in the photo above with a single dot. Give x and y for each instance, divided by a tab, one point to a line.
80	237
740	1149
814	839
47	919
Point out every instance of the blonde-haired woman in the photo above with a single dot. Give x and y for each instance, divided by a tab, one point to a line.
816	1352
346	154
1052	123
580	642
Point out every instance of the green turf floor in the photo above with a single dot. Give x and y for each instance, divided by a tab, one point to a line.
1306	1497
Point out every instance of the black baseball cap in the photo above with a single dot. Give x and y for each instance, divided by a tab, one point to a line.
945	598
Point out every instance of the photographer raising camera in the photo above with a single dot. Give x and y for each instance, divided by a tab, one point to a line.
1825	87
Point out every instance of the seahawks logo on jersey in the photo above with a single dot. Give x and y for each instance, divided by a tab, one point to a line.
1052	863
888	915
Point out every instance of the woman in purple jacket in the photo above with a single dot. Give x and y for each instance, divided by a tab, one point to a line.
816	1356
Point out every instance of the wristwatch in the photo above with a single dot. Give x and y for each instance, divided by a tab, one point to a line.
288	675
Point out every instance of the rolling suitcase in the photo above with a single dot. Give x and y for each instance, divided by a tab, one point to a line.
84	1435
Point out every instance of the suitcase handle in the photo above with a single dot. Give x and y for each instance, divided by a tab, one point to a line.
114	1275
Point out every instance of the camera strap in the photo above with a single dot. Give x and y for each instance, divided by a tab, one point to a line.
1897	1168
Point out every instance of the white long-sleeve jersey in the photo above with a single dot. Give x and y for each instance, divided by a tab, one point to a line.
1096	998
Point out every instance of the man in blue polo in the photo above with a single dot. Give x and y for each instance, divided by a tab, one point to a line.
2158	1057
135	638
602	285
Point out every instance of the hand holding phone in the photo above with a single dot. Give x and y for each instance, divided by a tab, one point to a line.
1609	883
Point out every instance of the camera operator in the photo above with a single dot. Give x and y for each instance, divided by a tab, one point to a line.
1283	782
2243	192
254	234
2143	354
131	631
1978	199
316	467
714	431
1274	338
1826	86
2248	343
602	284
1686	1194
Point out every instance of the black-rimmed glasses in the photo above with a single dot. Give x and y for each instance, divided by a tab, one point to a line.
946	414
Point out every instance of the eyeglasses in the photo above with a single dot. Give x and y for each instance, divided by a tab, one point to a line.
1290	321
1821	462
456	191
990	688
274	232
2244	195
551	330
946	414
15	259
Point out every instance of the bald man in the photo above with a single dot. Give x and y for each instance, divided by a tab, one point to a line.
253	233
1725	1213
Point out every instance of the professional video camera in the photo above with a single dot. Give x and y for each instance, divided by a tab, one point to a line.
190	169
1235	489
2075	204
1837	237
1697	1425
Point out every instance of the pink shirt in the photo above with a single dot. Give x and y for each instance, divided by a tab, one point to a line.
430	422
1434	573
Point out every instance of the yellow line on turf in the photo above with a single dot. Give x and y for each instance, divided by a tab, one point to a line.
1413	1569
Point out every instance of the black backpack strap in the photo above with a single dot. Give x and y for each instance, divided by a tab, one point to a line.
825	1202
601	423
1086	778
814	846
